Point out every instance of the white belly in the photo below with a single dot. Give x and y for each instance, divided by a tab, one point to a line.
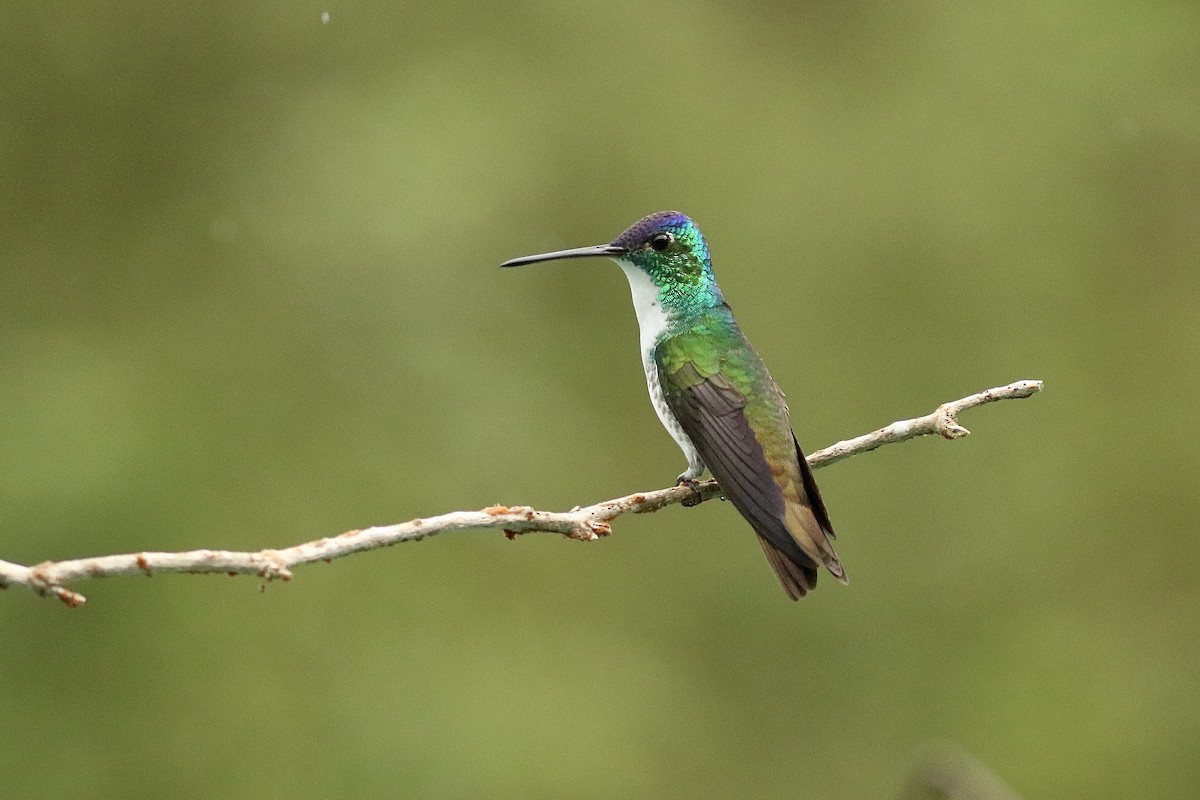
695	464
652	324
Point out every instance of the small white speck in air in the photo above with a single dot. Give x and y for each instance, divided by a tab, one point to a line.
324	17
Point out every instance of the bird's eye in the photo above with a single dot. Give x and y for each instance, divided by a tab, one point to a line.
661	241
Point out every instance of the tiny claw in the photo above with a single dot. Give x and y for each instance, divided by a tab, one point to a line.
696	497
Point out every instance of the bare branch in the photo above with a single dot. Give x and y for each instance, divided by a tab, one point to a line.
585	524
943	421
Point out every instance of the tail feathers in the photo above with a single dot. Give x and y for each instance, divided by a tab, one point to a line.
814	519
831	562
811	538
797	579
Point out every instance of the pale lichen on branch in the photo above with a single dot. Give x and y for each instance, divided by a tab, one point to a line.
585	524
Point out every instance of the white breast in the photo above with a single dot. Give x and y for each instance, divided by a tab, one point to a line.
652	323
647	302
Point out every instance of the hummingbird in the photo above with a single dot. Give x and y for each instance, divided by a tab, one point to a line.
714	395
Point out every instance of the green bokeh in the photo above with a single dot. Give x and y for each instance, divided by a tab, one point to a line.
248	296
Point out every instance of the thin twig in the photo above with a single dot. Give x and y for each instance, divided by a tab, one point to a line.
585	524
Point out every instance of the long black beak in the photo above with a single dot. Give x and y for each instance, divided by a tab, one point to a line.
577	252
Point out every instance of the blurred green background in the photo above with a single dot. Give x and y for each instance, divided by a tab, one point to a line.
249	296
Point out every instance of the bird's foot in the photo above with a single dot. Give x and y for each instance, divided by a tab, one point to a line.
691	483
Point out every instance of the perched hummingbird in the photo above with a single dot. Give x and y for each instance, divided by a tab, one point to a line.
714	394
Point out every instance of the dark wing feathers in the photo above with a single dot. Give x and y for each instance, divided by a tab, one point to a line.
717	425
712	414
813	493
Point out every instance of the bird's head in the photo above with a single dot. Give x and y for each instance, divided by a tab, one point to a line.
666	245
